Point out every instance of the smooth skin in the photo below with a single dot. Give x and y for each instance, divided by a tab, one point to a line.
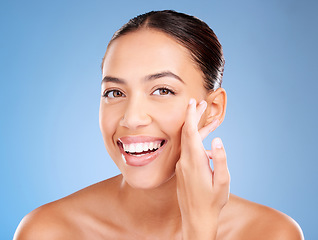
176	196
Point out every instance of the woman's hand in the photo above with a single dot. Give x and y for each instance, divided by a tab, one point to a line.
202	192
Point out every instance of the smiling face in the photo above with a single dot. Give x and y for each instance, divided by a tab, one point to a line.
148	79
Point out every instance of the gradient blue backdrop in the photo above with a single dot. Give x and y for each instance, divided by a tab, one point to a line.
50	143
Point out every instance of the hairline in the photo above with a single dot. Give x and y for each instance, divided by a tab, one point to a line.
146	27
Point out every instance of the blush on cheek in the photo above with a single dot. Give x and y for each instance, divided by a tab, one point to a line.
172	118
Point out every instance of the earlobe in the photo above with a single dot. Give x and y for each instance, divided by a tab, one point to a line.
216	108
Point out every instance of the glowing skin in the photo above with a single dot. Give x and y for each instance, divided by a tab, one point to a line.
141	108
138	115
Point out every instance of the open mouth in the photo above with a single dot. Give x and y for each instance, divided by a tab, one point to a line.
141	149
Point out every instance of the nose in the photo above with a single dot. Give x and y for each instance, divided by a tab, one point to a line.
135	115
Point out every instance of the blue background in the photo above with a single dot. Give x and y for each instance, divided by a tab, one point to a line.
50	143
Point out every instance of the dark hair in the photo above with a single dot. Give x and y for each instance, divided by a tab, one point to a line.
191	33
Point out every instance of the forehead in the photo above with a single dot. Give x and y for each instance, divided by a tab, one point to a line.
144	52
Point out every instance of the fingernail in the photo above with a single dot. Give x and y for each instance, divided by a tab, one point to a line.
202	102
218	143
192	100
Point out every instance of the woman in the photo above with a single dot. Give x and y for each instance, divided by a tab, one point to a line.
161	96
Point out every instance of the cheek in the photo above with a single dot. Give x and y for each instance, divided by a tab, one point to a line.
107	122
171	117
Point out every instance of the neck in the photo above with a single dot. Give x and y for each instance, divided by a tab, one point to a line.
153	210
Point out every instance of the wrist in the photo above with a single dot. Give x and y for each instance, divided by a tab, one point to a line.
202	230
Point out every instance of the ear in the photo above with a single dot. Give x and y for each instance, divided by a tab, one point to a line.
216	106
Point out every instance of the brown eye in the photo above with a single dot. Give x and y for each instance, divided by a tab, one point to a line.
163	91
113	94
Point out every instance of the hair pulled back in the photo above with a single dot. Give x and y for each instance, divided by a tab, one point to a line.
191	33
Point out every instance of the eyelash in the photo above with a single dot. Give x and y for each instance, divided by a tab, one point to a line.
166	88
106	93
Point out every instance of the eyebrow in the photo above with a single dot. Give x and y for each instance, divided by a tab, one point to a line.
147	78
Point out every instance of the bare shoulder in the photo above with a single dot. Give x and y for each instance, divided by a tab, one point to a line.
261	222
45	222
69	217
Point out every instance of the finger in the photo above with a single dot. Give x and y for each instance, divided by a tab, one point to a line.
221	172
190	119
205	131
200	110
193	116
209	153
190	139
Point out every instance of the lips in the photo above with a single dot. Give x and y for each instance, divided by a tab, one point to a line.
140	150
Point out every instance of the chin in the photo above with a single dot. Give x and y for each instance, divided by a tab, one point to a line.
147	181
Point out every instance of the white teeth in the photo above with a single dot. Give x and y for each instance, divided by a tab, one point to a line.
145	146
131	148
151	146
141	147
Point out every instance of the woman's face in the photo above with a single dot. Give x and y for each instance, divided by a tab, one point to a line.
148	79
